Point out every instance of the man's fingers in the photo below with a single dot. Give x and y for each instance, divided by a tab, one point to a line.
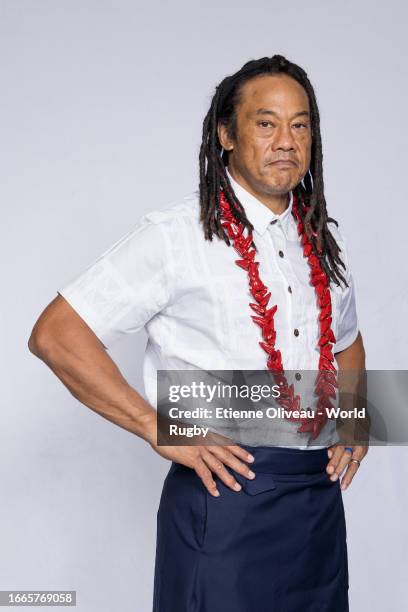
341	464
212	458
216	457
224	455
206	476
240	452
358	453
349	475
340	458
217	466
337	453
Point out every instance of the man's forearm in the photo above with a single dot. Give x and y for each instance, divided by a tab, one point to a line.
352	380
78	358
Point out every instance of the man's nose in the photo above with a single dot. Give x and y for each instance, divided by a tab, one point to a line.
283	138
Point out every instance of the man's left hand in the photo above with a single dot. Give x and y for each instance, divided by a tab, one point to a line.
340	458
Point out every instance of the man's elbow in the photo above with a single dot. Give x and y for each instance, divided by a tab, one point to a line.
40	340
48	329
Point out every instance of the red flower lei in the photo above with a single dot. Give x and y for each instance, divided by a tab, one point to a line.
326	380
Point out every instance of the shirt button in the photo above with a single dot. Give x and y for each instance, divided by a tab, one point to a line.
298	376
280	253
296	332
290	289
274	221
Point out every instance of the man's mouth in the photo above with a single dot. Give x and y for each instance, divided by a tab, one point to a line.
283	163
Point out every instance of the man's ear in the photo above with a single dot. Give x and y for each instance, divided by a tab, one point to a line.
224	137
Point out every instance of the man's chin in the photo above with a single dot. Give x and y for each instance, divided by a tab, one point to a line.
277	188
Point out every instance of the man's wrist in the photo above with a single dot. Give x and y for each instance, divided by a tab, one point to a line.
148	427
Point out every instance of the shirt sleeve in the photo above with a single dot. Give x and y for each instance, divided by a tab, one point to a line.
119	292
348	323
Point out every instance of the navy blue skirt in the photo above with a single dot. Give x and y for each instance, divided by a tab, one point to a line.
278	545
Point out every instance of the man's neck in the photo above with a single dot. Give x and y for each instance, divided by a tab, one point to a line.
276	203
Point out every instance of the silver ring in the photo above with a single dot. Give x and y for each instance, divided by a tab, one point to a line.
355	461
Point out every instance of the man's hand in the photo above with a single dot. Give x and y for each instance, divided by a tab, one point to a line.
205	459
340	458
352	388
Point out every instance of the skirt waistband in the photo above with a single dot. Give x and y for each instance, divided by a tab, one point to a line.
278	460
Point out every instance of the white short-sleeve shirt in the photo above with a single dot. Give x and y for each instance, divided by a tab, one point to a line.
193	300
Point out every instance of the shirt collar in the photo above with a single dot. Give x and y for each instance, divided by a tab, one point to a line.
258	213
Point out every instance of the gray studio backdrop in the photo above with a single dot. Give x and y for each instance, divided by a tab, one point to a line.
101	111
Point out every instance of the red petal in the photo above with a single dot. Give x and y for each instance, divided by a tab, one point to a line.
325	324
257	285
253	268
325	350
325	312
259	309
314	261
307	249
270	312
259	321
268	349
331	335
265	299
242	263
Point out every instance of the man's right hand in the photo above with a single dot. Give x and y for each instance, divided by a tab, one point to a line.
206	459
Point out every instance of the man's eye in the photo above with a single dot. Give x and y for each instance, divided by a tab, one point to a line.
265	123
300	124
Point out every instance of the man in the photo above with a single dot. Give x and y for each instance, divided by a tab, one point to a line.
230	538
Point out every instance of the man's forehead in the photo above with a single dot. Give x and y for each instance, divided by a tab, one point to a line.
272	92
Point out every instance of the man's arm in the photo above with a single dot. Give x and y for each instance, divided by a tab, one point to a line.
63	340
351	362
353	357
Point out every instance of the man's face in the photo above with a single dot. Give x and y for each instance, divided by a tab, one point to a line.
272	123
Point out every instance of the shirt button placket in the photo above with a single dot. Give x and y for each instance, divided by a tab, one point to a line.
285	267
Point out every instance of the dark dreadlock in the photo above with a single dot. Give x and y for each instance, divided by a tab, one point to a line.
213	163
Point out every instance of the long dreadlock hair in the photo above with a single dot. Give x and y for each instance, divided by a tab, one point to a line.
213	161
